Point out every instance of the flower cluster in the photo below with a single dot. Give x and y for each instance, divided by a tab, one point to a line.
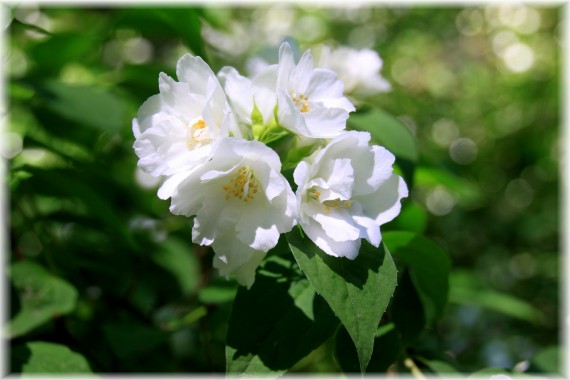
222	143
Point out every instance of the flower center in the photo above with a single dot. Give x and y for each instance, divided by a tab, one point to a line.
242	185
301	101
335	203
198	134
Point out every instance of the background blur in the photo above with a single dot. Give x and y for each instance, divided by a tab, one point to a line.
479	87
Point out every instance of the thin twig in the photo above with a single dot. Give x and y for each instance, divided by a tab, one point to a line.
408	362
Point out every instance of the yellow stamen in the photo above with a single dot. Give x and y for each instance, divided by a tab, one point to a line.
198	134
242	185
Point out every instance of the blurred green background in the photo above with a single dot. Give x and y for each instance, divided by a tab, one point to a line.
478	87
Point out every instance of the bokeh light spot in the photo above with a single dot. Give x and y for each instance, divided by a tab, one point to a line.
463	151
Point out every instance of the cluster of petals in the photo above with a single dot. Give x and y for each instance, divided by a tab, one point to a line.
205	136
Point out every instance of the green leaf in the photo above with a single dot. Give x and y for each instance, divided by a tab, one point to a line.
412	218
219	291
466	191
129	338
42	296
70	47
466	289
387	347
46	358
71	183
407	310
277	322
488	372
429	268
547	361
439	366
186	21
178	259
389	132
87	105
358	290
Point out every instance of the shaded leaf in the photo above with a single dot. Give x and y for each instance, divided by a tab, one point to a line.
42	296
429	268
46	358
407	310
186	21
387	347
177	258
358	290
466	192
277	322
87	105
547	360
466	289
130	338
70	47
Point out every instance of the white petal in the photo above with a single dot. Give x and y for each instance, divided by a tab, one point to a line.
195	72
179	99
215	217
239	92
150	107
289	115
170	186
264	92
315	232
338	225
341	180
300	174
383	205
324	84
187	200
342	103
285	67
302	74
325	122
235	258
369	229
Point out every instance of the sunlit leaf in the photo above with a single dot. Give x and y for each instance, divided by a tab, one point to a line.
219	291
47	358
429	268
357	290
412	218
277	322
42	296
441	367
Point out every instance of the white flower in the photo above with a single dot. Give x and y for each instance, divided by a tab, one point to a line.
245	94
176	128
346	193
310	101
242	204
359	70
